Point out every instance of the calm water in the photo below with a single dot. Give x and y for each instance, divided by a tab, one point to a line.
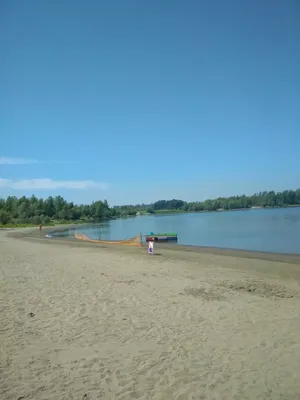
270	230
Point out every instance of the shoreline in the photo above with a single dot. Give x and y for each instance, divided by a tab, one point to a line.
157	213
161	212
169	249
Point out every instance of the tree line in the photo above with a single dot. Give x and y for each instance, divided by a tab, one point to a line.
31	210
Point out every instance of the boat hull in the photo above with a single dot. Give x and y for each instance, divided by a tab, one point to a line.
161	238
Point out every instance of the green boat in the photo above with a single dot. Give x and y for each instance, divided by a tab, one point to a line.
161	237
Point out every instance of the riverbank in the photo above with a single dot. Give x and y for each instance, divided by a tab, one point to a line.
143	213
86	321
53	224
32	234
180	211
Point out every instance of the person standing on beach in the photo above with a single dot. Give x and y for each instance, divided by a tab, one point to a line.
151	246
40	227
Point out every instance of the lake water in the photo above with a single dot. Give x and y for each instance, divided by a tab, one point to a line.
269	230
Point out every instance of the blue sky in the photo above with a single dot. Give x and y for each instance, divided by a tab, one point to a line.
135	101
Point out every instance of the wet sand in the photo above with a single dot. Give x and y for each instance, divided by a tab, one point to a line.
83	321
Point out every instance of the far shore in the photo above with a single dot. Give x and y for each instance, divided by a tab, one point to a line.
158	212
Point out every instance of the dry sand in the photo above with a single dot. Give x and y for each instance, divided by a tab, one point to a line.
87	322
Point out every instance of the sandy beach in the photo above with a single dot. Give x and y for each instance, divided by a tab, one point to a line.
81	321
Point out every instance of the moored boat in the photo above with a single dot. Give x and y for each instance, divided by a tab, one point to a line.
161	237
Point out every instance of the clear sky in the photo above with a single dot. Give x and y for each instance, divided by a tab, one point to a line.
135	101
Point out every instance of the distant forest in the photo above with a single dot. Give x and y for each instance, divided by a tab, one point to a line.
53	210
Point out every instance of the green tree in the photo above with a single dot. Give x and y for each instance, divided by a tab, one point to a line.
34	210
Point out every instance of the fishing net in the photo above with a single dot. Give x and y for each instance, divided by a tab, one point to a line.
135	241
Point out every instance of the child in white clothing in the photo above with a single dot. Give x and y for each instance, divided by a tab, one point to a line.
151	247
